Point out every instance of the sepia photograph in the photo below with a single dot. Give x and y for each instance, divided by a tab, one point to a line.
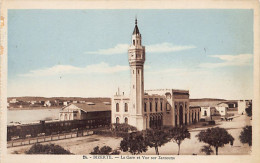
128	84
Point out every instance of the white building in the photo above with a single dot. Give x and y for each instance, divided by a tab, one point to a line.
13	101
222	108
150	108
47	103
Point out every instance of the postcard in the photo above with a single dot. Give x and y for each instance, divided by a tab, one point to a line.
105	81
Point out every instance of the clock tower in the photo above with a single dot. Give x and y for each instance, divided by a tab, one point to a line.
136	57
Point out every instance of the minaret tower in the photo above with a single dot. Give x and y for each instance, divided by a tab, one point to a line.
136	57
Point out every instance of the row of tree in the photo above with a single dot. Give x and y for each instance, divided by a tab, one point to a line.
138	142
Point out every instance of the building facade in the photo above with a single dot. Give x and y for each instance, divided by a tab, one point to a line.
150	108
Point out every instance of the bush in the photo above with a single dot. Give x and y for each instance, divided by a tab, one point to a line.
206	149
105	150
212	123
47	149
122	127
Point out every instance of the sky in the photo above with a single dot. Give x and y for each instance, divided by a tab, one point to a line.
83	53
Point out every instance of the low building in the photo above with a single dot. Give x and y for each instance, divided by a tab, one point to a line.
84	111
65	103
222	108
13	101
47	103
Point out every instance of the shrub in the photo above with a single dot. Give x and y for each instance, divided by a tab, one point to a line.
105	150
122	127
47	149
206	149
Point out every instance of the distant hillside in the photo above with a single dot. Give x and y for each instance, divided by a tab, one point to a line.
206	100
90	99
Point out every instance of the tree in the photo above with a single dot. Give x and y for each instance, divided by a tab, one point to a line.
249	110
246	135
47	149
207	149
178	134
105	150
134	143
216	137
156	138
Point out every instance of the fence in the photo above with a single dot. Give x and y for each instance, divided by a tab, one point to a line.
41	139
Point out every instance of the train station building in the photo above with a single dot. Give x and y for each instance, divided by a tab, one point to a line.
148	108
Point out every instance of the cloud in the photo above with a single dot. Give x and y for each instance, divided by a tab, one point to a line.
230	60
166	48
178	72
101	68
155	48
118	49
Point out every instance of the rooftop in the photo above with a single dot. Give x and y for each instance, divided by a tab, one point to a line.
93	107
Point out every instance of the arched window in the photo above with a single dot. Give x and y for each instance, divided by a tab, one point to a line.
161	106
117	120
117	107
156	106
133	42
126	107
65	118
205	113
151	107
145	107
126	120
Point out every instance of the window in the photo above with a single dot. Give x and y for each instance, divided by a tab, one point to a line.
126	120
133	71
117	120
117	107
133	42
126	107
151	107
145	107
133	86
136	42
138	71
156	106
161	106
205	113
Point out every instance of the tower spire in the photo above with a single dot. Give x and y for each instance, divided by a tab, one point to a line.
136	30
